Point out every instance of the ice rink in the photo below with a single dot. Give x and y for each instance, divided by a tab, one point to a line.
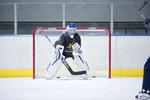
92	89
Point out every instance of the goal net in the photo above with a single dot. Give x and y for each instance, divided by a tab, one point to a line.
95	44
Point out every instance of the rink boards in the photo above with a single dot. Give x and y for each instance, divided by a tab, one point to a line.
128	54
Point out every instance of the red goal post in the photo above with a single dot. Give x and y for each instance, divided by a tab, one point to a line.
78	29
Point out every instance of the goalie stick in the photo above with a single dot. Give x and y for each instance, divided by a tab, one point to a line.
70	70
65	63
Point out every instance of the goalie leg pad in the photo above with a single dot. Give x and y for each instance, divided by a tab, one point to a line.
55	66
53	69
81	63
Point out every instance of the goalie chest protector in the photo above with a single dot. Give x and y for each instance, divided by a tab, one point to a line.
67	42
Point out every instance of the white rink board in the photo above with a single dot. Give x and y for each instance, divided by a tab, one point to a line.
130	52
16	52
127	51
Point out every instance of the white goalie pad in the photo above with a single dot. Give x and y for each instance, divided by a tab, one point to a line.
78	64
60	48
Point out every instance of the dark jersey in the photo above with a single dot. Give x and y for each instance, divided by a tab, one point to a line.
147	23
67	42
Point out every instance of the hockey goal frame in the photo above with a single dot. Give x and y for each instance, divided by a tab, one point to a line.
82	29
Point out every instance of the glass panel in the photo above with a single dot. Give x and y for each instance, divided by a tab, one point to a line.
6	19
127	20
31	16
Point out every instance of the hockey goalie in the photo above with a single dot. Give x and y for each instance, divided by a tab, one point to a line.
68	52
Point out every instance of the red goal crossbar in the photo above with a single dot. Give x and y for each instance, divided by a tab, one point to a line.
63	29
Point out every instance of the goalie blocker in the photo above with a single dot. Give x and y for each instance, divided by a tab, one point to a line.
68	52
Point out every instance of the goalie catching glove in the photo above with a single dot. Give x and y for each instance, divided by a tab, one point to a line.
76	48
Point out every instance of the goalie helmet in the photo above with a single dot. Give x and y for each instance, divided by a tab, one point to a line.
71	29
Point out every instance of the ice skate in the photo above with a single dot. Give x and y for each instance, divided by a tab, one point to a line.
142	96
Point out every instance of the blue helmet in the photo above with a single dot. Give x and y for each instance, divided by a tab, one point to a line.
71	26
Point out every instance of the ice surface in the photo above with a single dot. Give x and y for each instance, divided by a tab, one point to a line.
92	89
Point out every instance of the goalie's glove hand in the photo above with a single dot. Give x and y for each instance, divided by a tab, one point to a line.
76	48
